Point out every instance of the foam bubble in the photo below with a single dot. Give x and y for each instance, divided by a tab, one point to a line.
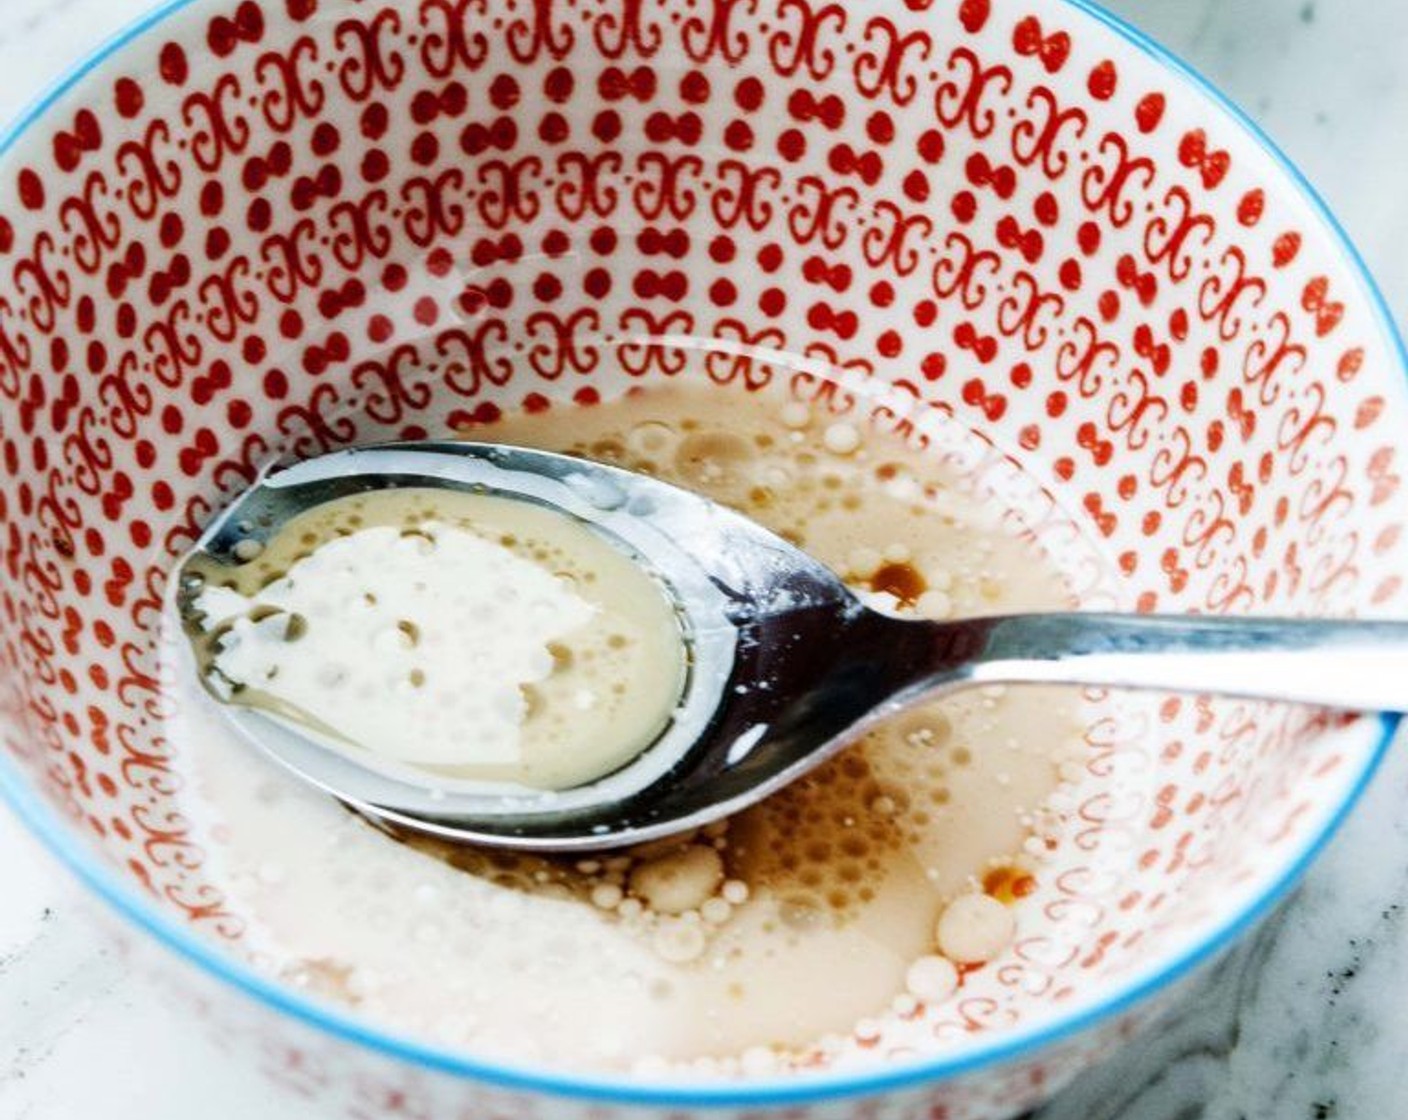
679	880
931	979
975	928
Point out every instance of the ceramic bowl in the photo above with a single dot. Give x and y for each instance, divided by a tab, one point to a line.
252	230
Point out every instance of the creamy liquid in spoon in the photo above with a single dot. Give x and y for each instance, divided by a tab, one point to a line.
473	637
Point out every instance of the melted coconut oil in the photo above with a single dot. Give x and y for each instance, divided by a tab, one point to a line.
869	889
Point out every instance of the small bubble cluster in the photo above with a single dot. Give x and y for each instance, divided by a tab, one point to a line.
672	894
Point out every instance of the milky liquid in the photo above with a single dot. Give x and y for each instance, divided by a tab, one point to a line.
467	636
868	889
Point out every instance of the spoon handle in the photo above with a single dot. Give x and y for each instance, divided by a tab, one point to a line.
1356	665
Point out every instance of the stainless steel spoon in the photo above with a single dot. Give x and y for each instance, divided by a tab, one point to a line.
786	666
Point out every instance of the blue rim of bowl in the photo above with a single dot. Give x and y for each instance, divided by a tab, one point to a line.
206	954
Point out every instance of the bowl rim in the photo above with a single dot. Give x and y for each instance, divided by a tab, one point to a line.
204	953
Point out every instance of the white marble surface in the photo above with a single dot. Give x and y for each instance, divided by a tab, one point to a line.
1307	1023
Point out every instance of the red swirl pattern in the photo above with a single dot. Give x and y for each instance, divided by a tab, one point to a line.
275	229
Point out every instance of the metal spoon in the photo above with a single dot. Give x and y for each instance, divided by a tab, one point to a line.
786	666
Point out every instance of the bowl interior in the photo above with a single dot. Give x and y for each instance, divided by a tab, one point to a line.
996	229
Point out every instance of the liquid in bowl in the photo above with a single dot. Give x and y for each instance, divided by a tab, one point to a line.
833	912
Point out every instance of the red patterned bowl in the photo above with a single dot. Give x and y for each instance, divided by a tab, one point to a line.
254	228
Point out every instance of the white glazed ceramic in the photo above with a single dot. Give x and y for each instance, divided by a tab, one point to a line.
1011	232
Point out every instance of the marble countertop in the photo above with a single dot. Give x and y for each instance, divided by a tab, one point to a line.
1304	1023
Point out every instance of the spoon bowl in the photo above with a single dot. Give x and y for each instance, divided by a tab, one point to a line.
786	665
